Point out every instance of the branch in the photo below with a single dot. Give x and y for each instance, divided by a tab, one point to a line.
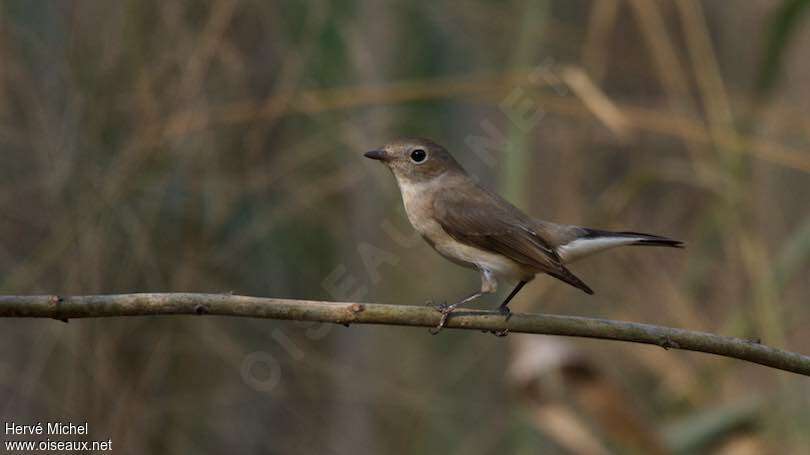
96	306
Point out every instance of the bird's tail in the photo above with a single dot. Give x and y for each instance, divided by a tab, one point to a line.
636	238
593	241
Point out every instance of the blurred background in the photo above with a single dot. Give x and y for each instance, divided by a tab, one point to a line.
216	146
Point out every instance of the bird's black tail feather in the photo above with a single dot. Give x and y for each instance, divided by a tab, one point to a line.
642	239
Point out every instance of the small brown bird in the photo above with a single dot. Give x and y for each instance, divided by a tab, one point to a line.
476	228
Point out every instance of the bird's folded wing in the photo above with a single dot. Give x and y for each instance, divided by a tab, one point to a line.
484	220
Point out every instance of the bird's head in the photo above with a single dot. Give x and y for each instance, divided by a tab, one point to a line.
415	159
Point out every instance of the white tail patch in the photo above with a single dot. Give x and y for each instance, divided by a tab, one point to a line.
582	247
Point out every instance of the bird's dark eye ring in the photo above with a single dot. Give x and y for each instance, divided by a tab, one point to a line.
418	155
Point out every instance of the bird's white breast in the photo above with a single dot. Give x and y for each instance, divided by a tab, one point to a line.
418	200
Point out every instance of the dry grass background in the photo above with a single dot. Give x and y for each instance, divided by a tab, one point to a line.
216	147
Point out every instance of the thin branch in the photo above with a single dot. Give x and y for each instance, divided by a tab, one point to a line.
96	306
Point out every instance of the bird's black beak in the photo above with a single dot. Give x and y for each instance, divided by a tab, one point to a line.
379	155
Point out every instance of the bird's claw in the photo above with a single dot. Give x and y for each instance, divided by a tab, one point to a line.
504	310
440	326
500	333
445	310
440	307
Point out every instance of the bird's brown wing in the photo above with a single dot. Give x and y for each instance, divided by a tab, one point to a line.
484	220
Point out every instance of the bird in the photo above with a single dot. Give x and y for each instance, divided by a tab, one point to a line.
476	228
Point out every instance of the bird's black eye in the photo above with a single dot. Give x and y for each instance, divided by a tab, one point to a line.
418	155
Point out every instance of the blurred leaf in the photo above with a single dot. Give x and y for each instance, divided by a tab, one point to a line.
783	27
696	432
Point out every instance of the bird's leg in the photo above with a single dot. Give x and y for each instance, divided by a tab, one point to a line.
488	286
504	308
445	308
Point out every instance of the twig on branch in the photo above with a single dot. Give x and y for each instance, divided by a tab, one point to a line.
96	306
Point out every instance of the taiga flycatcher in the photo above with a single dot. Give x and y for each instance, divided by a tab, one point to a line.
476	228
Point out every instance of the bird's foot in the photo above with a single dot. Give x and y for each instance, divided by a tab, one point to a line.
57	301
445	310
437	306
504	310
497	333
